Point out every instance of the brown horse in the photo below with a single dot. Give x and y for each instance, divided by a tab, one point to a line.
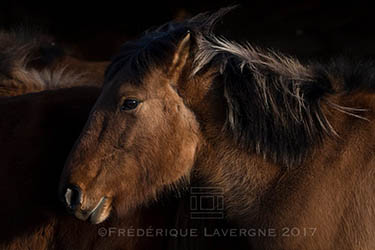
32	62
36	133
291	145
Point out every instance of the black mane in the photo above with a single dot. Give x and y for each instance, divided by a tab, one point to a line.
355	73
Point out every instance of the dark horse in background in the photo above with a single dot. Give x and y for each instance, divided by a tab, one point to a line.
31	61
291	145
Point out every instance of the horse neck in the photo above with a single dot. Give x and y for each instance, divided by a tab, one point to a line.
242	176
252	184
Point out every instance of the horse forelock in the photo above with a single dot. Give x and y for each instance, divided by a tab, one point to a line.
153	48
137	58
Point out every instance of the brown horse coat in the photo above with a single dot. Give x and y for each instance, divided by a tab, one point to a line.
291	145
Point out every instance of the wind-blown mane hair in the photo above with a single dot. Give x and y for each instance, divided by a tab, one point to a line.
276	106
155	45
26	56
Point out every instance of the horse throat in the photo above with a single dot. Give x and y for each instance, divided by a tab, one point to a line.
243	178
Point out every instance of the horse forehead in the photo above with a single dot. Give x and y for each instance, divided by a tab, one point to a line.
155	78
154	81
151	83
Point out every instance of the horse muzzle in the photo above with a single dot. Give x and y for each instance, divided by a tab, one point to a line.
74	202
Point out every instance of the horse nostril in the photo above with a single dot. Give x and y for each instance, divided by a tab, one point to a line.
73	197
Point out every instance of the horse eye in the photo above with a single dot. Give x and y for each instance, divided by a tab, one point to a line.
129	104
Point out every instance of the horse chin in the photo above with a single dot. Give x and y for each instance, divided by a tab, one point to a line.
101	212
98	214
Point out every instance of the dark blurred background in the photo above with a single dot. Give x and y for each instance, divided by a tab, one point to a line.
305	28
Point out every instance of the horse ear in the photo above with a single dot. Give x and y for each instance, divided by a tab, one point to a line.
180	56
